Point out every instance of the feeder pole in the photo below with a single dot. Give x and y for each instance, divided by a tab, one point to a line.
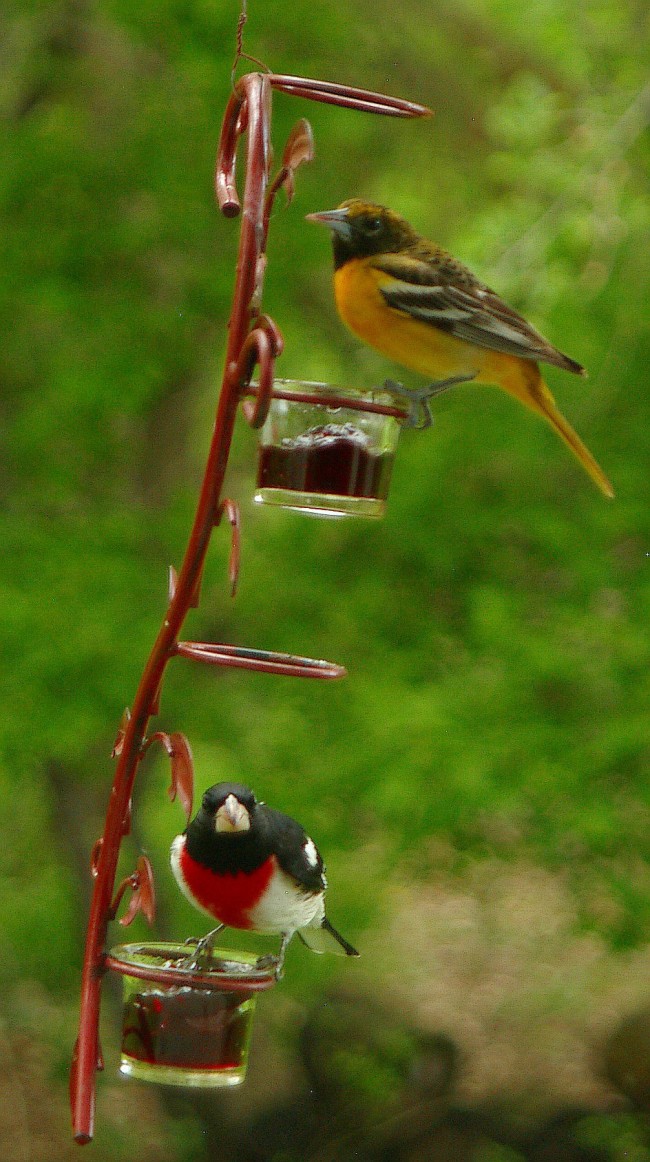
253	340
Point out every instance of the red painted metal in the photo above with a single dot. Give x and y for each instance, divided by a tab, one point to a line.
196	979
267	661
253	339
348	96
326	397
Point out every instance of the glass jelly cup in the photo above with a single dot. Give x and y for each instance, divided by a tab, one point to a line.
184	1026
324	460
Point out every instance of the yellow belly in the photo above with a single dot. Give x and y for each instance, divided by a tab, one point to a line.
434	353
416	345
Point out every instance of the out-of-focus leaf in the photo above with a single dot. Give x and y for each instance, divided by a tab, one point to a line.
143	898
182	784
300	145
298	150
146	889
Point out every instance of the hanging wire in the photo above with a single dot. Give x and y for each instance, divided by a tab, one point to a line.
239	45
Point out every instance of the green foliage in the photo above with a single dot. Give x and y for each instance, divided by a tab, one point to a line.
621	1137
495	623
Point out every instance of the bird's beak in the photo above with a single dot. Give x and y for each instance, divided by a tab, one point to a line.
336	220
232	816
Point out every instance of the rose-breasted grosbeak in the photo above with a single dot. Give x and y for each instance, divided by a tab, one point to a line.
251	867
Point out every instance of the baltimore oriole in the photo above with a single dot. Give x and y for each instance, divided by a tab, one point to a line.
419	306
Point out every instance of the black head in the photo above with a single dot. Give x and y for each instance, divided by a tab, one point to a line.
361	229
228	832
227	809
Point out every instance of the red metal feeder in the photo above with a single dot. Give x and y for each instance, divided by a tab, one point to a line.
161	997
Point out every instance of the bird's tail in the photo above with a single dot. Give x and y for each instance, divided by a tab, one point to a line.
526	384
325	938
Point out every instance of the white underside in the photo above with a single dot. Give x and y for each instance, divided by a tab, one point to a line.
283	909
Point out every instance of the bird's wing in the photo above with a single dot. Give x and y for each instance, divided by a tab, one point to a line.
448	296
295	852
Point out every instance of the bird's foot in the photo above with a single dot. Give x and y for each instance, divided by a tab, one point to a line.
276	962
271	961
202	958
420	413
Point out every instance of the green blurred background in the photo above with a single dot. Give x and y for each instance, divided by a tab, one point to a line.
478	784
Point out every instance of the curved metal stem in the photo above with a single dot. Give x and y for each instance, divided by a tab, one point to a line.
256	93
248	111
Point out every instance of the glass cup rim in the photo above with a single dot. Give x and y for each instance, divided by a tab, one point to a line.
322	387
240	971
318	393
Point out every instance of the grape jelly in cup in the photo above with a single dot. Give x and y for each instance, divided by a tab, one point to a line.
327	460
183	1025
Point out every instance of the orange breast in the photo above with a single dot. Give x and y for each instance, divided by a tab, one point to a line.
434	353
416	345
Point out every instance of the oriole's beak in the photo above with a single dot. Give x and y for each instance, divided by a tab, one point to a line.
336	220
232	816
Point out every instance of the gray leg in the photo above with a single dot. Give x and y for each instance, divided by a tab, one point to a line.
420	414
276	962
204	946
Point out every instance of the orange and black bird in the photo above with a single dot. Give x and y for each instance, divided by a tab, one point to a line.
422	308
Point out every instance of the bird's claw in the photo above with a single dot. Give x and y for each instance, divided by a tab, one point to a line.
271	961
203	949
419	416
201	958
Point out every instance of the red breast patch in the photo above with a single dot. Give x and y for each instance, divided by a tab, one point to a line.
229	898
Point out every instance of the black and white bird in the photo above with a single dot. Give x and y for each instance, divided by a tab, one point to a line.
250	867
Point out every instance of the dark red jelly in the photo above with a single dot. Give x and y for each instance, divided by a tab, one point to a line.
333	460
186	1029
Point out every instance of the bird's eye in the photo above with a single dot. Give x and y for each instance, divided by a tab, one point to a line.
372	225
